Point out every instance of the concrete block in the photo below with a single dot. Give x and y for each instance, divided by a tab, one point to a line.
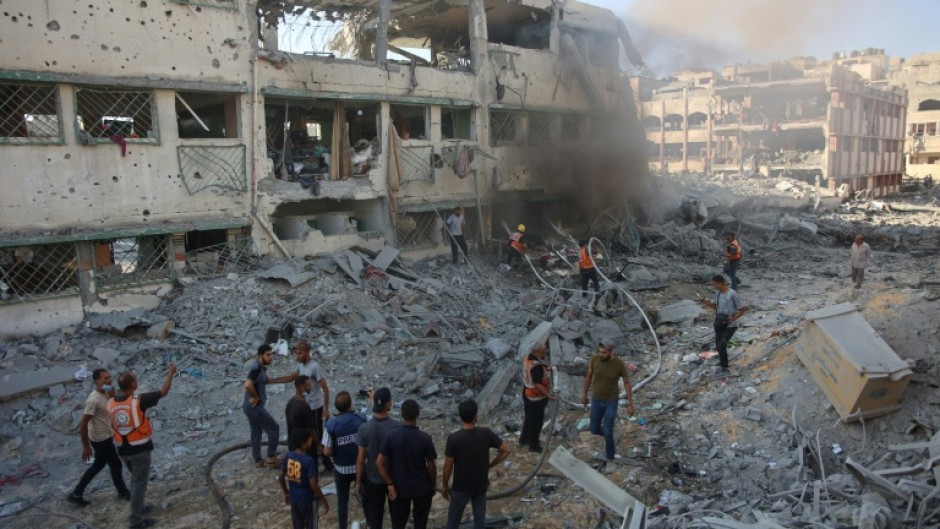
679	312
13	384
105	355
385	258
159	331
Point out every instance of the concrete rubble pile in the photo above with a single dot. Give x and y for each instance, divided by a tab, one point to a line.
761	448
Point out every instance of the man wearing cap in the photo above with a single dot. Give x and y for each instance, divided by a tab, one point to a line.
371	436
515	246
604	370
406	463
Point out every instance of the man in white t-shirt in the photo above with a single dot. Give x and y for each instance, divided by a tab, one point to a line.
97	439
455	224
320	393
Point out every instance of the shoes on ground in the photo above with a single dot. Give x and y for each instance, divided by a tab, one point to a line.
146	522
536	449
78	500
272	461
125	495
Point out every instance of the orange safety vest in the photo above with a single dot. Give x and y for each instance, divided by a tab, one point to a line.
129	423
733	256
515	240
586	259
530	392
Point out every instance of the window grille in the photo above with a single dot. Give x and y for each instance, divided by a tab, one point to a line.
102	114
29	114
540	128
416	162
121	263
504	127
202	167
30	272
418	230
231	256
571	127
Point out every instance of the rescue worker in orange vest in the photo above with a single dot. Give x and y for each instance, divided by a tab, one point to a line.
132	435
733	259
515	247
537	382
586	266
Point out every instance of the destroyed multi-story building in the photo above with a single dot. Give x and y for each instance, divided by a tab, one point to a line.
148	139
921	77
824	122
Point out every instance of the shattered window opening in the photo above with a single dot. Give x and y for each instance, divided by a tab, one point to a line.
541	128
652	123
438	37
697	120
347	34
29	114
504	127
410	121
518	25
310	157
115	114
218	112
457	123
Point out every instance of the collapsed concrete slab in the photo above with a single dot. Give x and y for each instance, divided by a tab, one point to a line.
492	392
12	384
679	312
600	487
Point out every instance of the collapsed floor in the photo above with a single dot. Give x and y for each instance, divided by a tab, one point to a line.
763	446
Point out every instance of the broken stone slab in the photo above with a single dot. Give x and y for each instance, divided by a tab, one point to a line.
492	393
343	263
602	329
498	348
116	322
385	258
678	312
538	336
600	487
286	272
14	384
105	355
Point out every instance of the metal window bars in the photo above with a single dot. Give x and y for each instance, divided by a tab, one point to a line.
416	162
31	272
202	167
29	114
419	230
541	128
122	263
102	114
230	256
571	127
504	127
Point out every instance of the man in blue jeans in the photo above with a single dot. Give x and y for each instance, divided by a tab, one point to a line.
259	420
340	442
604	371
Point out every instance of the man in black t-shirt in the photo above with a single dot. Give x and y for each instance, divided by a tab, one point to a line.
132	434
467	456
406	463
300	415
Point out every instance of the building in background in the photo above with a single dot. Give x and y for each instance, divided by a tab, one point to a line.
144	141
921	77
824	122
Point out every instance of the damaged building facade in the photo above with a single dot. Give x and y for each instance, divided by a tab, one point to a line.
921	77
144	141
824	122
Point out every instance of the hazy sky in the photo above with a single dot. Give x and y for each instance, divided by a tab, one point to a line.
720	31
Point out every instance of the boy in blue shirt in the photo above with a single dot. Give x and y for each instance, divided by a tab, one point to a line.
304	492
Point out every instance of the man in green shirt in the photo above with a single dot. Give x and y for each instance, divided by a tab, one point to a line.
604	370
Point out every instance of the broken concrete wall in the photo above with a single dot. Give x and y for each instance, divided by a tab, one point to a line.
39	317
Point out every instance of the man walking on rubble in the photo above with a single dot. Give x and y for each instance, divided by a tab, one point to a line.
604	371
256	396
132	433
455	224
515	247
732	258
97	438
728	309
406	463
586	267
339	442
536	393
467	457
320	393
372	434
861	254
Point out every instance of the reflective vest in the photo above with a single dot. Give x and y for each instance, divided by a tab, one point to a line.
733	250
531	393
586	259
129	422
515	240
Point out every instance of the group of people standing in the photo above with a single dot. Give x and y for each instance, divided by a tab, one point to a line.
379	459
